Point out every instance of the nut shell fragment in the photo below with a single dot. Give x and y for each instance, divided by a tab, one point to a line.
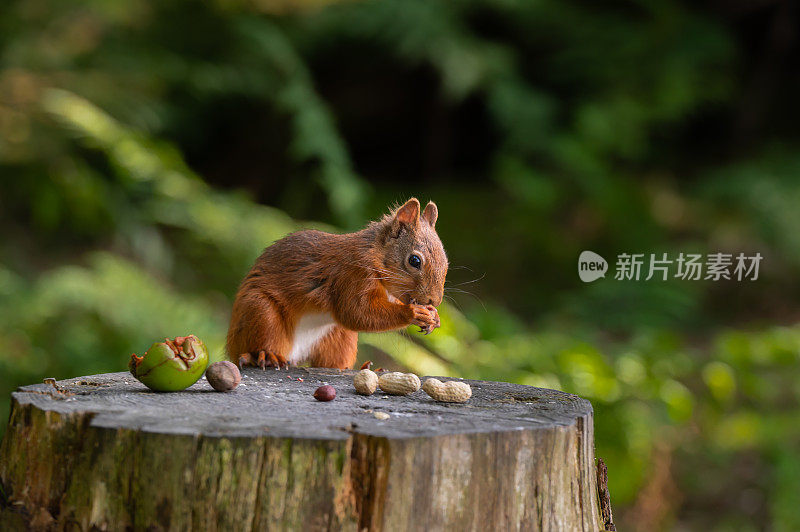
365	382
448	392
396	383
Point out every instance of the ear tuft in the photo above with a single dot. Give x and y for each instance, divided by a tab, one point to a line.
431	213
408	214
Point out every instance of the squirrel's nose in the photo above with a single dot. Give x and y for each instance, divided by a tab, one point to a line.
435	302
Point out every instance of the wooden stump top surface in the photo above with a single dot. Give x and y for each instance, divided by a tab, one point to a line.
278	404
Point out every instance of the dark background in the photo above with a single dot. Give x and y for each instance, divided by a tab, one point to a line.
150	150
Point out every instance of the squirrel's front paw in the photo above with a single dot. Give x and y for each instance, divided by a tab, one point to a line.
426	317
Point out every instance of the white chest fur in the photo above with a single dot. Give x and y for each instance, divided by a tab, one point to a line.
310	329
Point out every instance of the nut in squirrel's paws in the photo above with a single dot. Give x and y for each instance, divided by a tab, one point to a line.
426	317
436	315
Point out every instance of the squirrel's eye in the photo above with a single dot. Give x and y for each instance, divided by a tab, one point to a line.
415	261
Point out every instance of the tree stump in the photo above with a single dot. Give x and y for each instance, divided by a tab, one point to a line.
105	452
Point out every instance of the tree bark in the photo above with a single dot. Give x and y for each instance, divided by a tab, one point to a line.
105	452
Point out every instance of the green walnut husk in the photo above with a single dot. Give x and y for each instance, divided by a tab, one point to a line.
171	365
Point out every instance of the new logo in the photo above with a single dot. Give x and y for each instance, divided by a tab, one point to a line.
591	266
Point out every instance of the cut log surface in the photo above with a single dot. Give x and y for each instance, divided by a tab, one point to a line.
104	451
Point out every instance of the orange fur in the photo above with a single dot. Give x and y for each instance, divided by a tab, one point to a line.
336	350
348	277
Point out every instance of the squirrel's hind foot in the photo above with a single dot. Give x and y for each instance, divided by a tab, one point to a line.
263	360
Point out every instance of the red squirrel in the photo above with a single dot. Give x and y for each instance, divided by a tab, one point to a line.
309	294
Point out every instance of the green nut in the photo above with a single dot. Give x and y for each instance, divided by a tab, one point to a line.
171	365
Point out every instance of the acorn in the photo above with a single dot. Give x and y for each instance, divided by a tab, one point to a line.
223	376
171	365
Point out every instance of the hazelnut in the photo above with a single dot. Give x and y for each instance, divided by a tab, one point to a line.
325	393
223	376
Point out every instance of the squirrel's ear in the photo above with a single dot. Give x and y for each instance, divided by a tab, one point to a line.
431	213
408	214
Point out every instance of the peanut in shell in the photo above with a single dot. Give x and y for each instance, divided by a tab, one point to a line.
396	383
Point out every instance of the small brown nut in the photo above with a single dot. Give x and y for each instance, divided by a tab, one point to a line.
448	392
223	376
325	393
366	382
396	383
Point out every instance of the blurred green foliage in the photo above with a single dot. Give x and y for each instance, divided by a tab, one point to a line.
583	126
